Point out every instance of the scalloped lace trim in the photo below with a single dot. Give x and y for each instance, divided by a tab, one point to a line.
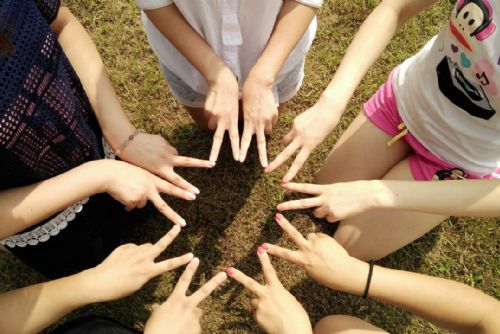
52	227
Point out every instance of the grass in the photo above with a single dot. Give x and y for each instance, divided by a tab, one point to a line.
234	213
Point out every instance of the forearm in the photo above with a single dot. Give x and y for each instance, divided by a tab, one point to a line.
85	59
291	24
26	206
448	304
172	24
368	44
478	198
31	309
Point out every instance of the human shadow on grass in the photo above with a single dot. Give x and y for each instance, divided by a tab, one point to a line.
320	301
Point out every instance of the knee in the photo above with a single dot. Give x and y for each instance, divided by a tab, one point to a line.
351	238
338	324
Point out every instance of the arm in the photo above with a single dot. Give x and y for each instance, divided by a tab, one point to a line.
150	152
446	303
222	98
259	107
31	309
368	43
339	201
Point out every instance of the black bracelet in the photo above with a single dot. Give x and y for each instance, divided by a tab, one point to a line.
369	280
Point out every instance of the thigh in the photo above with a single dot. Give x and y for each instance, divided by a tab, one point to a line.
345	324
378	233
361	153
3	249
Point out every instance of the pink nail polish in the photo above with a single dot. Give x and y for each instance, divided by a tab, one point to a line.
260	250
264	246
230	271
279	216
284	184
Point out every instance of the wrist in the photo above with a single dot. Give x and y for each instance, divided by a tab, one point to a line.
262	76
332	104
383	196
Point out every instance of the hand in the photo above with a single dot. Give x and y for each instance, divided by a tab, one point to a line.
336	201
260	116
221	108
180	314
275	309
129	267
133	187
323	258
155	154
309	129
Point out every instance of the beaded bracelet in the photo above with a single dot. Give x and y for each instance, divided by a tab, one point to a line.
128	140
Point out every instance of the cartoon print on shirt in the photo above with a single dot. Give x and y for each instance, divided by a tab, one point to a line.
450	174
473	20
465	94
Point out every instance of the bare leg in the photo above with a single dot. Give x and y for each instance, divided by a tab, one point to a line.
336	324
361	154
3	249
378	233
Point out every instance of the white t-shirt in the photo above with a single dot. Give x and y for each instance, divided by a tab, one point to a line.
448	94
237	31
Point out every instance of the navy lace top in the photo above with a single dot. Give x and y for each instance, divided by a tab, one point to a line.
47	125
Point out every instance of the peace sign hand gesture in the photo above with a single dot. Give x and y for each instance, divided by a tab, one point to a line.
275	309
180	313
323	258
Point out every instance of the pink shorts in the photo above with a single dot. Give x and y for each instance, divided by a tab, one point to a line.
382	111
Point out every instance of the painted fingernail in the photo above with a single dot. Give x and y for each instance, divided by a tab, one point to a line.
265	246
260	250
278	216
181	222
230	271
284	184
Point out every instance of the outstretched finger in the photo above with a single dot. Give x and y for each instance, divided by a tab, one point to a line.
217	142
178	189
300	204
249	283
170	264
234	137
186	277
165	241
289	137
306	188
208	288
283	156
291	231
297	164
246	139
284	253
261	147
181	161
166	210
270	275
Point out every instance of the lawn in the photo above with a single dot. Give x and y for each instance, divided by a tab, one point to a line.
234	213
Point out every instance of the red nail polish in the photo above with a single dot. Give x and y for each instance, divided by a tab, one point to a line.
260	250
230	271
279	216
265	246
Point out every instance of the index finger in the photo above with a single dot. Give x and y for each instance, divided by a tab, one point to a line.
283	156
297	164
249	283
166	210
306	188
181	161
234	137
300	204
217	142
208	288
261	147
186	277
267	268
292	232
165	241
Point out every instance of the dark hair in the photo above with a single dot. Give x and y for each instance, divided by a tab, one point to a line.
6	47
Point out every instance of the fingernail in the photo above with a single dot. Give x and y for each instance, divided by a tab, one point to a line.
260	250
230	271
279	216
196	191
191	196
195	261
265	246
190	255
221	277
284	184
265	164
181	222
176	228
212	164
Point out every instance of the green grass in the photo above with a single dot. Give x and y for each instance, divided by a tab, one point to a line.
233	215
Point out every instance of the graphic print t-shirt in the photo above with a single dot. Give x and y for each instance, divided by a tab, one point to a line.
448	93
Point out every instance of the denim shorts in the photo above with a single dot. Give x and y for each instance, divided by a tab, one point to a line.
283	91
